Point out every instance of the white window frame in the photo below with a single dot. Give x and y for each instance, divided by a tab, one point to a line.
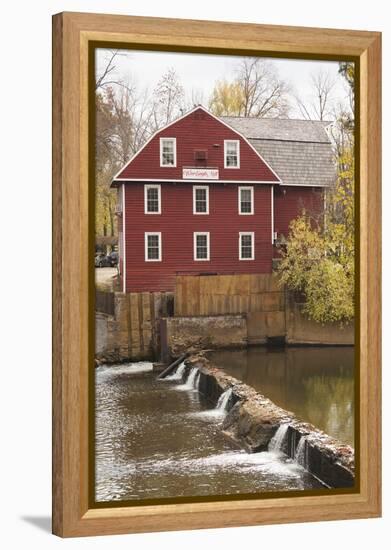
150	234
152	186
226	141
247	188
242	234
173	140
195	187
195	235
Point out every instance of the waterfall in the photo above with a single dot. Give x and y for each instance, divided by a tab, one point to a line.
223	402
292	449
178	373
279	439
197	380
192	380
301	455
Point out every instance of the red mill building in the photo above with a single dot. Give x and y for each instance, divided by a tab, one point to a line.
212	195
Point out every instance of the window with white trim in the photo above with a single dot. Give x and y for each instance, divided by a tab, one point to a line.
246	200
153	247
168	152
200	199
246	246
152	199
201	246
231	154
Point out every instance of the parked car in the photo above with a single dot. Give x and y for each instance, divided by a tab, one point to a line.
113	258
101	260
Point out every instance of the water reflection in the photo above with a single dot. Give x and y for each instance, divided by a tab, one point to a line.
316	383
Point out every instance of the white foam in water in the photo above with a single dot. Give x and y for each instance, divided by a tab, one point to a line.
221	407
223	401
124	368
264	462
177	374
277	442
207	415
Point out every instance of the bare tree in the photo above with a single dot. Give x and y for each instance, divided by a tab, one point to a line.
169	98
257	91
196	97
107	75
264	93
320	105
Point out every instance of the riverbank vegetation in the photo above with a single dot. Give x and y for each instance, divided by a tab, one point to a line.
318	256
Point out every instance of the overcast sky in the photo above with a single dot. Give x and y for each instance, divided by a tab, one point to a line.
200	71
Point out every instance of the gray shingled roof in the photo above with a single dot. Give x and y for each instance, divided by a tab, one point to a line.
299	151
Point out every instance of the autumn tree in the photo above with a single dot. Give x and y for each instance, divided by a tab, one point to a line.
319	260
319	255
226	99
256	91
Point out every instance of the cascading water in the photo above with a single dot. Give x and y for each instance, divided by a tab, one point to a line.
301	455
191	382
279	439
197	380
178	373
223	402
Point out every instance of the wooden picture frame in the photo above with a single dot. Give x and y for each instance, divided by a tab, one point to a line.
73	291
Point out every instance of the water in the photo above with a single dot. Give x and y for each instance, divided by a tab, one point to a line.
177	374
279	440
223	402
191	382
316	383
155	441
301	456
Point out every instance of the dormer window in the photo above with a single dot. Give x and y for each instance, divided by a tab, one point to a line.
168	152
231	154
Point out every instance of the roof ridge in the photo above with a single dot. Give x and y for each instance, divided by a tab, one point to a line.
289	140
278	118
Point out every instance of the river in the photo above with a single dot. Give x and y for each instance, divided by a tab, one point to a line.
316	383
162	439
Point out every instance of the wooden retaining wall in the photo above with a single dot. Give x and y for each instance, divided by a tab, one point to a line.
227	294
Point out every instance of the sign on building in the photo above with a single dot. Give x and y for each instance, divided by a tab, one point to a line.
200	173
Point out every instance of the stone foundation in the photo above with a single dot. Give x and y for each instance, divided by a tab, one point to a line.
181	334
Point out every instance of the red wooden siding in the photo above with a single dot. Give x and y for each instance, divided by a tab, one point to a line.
289	203
198	131
177	223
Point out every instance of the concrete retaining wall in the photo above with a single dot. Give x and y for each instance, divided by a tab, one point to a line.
181	334
133	332
301	330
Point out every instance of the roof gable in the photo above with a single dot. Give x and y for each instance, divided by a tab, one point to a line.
197	129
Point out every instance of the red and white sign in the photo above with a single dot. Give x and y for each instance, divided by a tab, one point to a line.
200	173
